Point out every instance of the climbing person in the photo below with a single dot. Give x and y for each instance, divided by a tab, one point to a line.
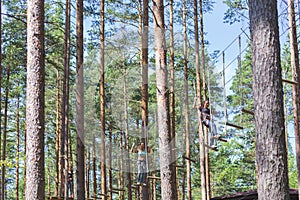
141	164
208	122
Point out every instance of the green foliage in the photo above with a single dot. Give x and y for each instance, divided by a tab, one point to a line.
237	11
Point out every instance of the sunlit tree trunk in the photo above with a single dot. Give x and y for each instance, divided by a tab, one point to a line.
35	102
65	106
127	148
102	102
162	92
186	107
79	103
198	92
204	93
172	105
57	132
271	155
295	77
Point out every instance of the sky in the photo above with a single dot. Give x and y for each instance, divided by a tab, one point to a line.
220	34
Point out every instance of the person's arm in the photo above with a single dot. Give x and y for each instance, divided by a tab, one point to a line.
133	150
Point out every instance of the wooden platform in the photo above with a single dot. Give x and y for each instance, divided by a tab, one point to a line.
70	198
251	195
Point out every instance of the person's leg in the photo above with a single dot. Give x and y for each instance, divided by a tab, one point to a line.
139	172
143	178
213	134
206	123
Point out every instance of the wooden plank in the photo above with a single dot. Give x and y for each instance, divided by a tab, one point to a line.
113	191
118	189
234	125
153	177
219	137
179	166
184	157
289	81
248	111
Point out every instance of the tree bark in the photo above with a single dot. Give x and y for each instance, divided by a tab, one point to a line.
110	177
18	147
186	106
271	155
162	93
295	78
35	102
80	103
88	168
198	92
58	132
120	162
3	187
172	105
102	102
127	163
65	106
144	32
206	138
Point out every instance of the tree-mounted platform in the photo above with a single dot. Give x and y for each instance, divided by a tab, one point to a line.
186	158
234	125
70	198
178	166
153	177
247	111
219	137
289	81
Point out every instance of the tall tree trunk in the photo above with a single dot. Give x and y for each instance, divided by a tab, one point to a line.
144	62
110	178
18	147
271	156
186	106
172	105
88	168
35	102
198	92
102	102
94	170
65	106
121	164
295	77
128	169
162	101
58	132
3	187
206	139
70	158
79	103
